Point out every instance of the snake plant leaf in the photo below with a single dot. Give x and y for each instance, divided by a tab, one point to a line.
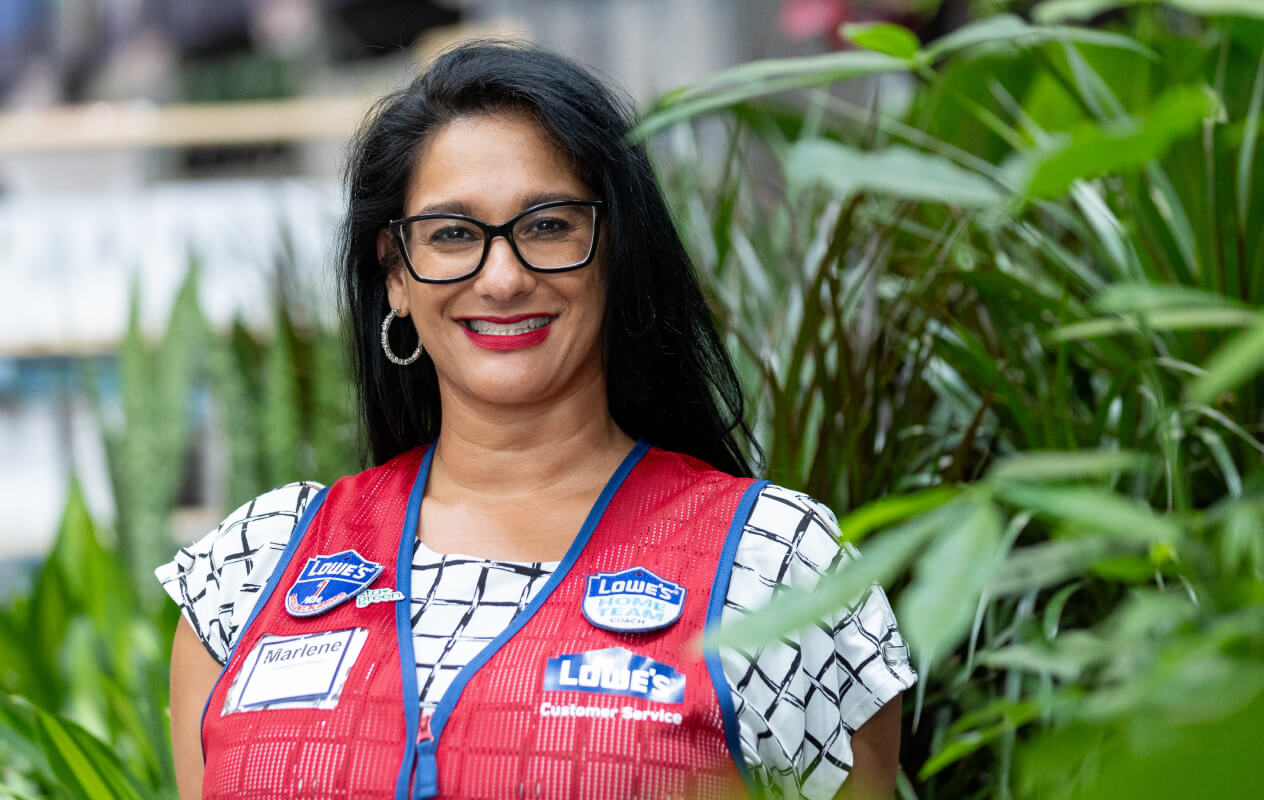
86	767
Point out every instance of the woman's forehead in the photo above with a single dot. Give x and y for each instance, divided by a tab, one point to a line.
477	164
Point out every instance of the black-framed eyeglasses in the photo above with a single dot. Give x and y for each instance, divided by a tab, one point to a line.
550	237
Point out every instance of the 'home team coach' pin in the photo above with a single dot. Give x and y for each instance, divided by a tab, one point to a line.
329	580
632	600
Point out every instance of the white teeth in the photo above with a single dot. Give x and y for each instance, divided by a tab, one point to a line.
510	329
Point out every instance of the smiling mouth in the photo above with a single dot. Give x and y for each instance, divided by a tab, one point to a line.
489	328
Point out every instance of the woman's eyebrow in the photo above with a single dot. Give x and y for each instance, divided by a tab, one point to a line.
547	197
445	207
465	209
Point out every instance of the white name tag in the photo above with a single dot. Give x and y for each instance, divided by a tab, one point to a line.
306	671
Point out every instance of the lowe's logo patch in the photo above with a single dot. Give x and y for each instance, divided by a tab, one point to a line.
632	601
329	580
615	671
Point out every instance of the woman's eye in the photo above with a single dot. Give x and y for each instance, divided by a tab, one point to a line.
549	226
453	235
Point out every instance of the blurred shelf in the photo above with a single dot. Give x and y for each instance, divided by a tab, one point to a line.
137	125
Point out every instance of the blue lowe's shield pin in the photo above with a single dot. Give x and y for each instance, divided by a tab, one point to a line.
632	601
329	580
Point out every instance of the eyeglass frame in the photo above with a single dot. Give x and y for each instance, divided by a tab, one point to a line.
490	232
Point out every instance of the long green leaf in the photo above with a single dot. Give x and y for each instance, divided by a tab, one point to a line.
1195	756
1141	297
1171	205
896	171
86	766
889	510
1046	564
938	605
1246	157
1095	150
1094	510
1013	31
280	410
1067	657
884	558
1239	359
1055	466
1164	320
1006	715
883	37
760	79
1062	10
820	68
1051	619
19	741
1242	541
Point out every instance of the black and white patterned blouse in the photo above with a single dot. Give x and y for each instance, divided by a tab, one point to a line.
798	700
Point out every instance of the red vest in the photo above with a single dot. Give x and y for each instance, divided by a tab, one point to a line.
555	707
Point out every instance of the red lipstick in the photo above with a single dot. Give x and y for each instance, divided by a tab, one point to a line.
503	341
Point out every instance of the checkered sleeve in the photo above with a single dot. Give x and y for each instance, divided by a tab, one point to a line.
800	699
217	579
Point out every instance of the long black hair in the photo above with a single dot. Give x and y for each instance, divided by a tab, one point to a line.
669	379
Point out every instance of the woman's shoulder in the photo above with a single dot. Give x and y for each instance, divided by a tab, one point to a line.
799	698
254	525
216	579
790	538
288	501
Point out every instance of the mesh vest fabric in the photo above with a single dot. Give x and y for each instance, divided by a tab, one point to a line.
671	515
354	750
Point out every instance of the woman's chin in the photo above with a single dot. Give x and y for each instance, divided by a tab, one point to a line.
514	389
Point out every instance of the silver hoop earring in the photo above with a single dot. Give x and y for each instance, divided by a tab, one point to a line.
386	344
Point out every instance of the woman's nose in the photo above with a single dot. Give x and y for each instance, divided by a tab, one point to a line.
503	276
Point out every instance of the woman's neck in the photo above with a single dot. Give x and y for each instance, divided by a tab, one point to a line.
516	483
490	450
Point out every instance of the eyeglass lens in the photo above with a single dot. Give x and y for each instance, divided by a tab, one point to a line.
550	238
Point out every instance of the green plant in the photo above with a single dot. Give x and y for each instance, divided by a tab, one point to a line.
283	404
83	677
83	656
1035	275
1009	324
147	445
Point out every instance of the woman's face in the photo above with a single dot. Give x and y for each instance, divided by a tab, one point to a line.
491	167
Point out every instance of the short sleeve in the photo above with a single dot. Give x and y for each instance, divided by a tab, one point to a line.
799	700
217	579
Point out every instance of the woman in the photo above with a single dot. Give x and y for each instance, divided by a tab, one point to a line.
534	359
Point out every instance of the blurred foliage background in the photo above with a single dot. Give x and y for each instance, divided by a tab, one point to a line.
1004	312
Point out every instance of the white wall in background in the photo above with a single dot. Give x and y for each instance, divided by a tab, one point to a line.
42	444
68	260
